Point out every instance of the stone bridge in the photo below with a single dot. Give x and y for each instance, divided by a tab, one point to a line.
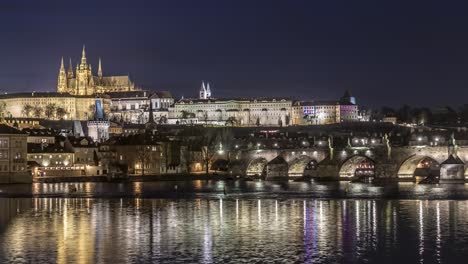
401	162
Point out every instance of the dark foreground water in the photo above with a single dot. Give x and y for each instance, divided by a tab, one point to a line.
210	230
233	222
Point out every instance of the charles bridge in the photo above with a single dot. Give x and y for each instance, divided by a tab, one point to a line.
382	161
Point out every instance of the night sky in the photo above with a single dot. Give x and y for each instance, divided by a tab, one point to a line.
384	52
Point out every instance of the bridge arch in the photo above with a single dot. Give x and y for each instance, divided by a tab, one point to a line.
298	165
418	165
277	168
237	167
256	166
357	164
220	165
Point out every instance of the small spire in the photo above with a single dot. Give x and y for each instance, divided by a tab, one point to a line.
62	67
99	73
203	86
70	70
83	56
208	90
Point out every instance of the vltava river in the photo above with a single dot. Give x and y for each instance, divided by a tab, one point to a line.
216	230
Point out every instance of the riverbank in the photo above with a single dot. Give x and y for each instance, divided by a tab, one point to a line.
236	189
135	178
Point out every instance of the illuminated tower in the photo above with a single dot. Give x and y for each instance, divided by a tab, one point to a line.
208	91
203	91
98	128
70	73
83	77
62	79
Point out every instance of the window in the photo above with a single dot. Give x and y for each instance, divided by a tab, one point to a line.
3	154
3	142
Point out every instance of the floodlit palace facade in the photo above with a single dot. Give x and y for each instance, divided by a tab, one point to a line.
79	91
262	111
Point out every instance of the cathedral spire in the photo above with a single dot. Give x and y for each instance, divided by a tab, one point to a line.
70	70
62	67
202	91
99	73
208	90
62	78
83	56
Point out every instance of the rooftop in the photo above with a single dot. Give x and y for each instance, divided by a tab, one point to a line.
4	129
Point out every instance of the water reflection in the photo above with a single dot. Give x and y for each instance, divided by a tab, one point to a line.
83	230
236	189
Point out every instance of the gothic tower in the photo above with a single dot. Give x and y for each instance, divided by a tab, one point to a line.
62	79
208	90
70	74
83	77
202	91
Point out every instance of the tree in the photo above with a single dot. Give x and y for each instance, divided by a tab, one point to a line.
406	114
3	110
38	111
464	113
214	141
162	120
143	156
27	110
280	122
186	115
60	112
231	121
387	112
50	110
205	117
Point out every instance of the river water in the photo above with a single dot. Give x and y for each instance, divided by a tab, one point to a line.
207	224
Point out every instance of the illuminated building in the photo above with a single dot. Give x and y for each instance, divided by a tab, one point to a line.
326	112
54	106
133	107
13	152
83	82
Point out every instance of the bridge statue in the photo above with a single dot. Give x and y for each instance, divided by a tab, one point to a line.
388	146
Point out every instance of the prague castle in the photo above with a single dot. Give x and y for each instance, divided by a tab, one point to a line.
83	82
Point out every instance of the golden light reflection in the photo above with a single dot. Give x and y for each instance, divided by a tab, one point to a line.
141	230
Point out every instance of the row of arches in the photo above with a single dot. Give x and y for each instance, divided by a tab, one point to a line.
358	165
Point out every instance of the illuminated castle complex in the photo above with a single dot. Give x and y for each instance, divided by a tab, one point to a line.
83	82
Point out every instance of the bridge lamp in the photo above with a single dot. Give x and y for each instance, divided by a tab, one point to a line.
237	146
437	139
276	144
373	141
419	138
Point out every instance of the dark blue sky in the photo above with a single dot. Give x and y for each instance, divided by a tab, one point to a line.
385	52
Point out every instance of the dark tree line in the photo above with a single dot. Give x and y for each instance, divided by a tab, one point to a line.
425	115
